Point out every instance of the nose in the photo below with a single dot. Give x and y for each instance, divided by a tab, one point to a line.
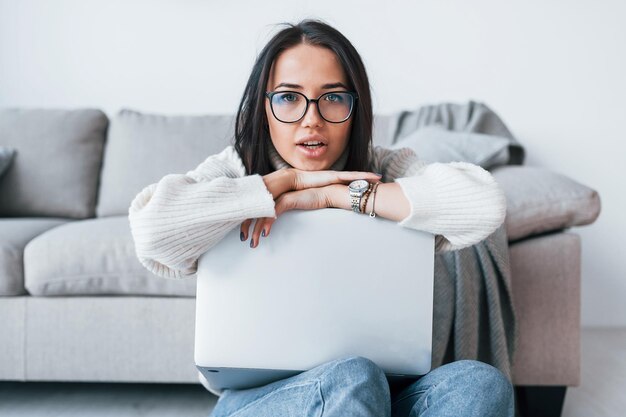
312	116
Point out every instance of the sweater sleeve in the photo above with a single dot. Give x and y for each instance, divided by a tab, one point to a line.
459	202
175	220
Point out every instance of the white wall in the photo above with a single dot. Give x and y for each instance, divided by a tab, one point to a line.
554	71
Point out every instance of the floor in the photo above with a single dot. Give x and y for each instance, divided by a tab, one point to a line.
98	400
600	394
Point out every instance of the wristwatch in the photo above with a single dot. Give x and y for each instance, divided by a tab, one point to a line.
357	188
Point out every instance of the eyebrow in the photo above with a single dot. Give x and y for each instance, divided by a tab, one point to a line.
325	86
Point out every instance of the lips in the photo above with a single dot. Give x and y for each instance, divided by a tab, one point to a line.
316	137
312	151
308	151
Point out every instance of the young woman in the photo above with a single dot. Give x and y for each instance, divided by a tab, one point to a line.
303	140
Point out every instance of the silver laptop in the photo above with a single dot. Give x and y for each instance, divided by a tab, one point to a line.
324	284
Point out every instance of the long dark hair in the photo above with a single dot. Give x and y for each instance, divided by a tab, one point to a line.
252	138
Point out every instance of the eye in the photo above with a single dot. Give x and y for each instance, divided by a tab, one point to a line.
334	97
288	97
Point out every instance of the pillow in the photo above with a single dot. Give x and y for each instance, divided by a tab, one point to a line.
434	143
540	201
143	147
60	153
6	156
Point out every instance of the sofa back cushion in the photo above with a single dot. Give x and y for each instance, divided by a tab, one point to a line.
54	172
142	148
6	157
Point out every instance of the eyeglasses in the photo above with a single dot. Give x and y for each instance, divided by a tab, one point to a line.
291	106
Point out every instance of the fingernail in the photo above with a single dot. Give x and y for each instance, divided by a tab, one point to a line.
380	175
251	243
263	233
242	236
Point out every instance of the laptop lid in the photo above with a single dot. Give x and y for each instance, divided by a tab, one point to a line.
324	284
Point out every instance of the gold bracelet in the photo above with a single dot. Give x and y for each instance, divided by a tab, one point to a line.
365	197
372	213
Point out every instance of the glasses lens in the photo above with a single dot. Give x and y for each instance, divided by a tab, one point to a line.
290	106
335	107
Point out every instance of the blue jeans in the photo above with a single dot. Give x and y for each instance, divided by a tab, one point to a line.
356	387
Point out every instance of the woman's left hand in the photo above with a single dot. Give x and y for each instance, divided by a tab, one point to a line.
306	199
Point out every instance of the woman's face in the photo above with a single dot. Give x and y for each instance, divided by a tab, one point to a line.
311	68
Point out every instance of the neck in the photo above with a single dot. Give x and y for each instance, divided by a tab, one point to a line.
278	162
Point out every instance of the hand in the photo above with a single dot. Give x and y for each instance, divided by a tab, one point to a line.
313	179
307	199
292	179
294	188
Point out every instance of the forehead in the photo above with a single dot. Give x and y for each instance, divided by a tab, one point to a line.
306	65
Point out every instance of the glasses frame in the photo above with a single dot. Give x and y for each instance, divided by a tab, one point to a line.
271	94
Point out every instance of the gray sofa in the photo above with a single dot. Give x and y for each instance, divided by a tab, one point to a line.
76	304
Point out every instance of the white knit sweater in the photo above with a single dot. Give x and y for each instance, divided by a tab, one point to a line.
178	218
175	220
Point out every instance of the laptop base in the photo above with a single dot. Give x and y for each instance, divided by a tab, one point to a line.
245	378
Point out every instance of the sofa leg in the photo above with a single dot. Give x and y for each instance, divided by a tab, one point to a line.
539	401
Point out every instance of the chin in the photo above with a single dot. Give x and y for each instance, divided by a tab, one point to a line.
312	165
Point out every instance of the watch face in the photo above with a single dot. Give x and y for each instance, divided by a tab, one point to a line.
359	185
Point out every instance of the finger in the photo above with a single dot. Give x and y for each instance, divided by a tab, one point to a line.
356	175
284	203
256	233
245	226
316	179
268	226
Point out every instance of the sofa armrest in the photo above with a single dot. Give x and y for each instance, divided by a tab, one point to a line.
540	200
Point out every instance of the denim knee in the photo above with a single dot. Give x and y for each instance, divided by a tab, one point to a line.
460	388
366	365
357	368
489	383
353	380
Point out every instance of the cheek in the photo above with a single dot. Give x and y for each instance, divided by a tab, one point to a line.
346	132
281	134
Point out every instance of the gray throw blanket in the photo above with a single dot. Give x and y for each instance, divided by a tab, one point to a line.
473	314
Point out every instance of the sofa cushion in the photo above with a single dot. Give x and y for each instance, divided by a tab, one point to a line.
142	148
102	261
16	233
539	200
56	167
6	156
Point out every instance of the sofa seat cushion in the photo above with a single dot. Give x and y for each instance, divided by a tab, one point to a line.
541	201
16	233
93	256
55	169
